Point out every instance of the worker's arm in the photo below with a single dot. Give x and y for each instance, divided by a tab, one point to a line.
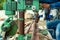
55	5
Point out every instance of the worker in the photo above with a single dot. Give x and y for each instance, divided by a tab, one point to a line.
54	24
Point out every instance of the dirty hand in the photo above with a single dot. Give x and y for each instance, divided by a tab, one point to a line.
45	5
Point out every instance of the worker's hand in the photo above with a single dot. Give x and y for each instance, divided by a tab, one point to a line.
45	5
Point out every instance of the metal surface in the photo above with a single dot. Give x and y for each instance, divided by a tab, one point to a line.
11	6
21	22
9	27
34	36
27	4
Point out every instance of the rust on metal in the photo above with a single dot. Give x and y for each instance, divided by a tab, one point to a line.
35	36
21	23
